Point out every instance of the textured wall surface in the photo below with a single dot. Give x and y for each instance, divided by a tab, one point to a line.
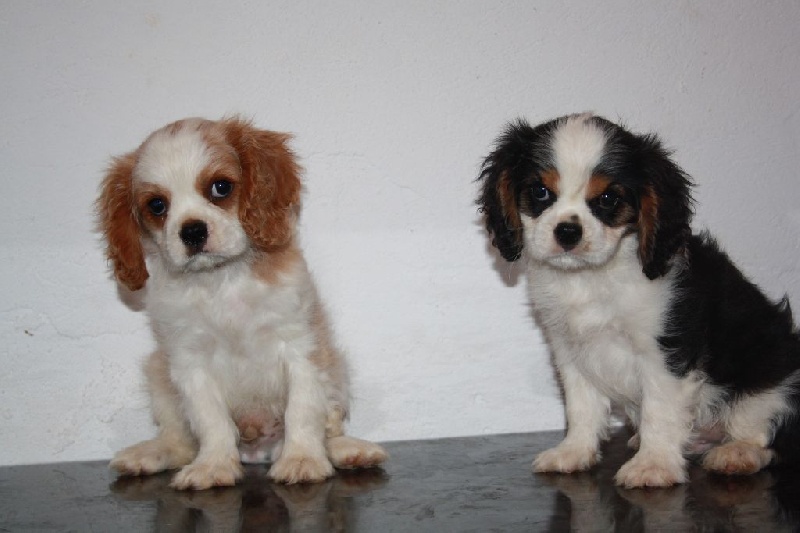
393	105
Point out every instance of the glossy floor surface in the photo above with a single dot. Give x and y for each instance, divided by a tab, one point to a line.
465	484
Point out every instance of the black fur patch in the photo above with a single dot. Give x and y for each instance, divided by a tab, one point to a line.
721	323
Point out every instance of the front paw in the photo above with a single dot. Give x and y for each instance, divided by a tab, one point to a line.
566	458
207	473
651	470
299	468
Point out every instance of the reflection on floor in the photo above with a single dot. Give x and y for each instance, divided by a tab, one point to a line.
465	484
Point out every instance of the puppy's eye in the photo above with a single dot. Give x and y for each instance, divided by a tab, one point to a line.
157	206
541	193
221	189
608	200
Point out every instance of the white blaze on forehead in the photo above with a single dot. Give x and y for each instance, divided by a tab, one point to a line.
578	145
173	159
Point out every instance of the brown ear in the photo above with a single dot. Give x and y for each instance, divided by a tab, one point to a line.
647	225
117	219
499	206
270	189
665	210
503	175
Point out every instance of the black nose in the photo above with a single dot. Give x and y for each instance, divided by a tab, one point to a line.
568	234
194	235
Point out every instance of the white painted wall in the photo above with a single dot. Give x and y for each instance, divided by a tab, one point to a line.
394	105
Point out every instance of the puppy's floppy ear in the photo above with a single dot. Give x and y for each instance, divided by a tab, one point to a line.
116	213
665	209
270	193
499	200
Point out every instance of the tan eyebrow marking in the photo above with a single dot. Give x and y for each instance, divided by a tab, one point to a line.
550	179
598	183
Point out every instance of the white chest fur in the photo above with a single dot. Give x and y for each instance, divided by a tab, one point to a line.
604	321
234	327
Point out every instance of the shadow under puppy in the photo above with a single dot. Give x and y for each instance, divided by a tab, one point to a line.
203	215
638	310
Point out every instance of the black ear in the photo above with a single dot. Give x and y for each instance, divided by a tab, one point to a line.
665	211
502	174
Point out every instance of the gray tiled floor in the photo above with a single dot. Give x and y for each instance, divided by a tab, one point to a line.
465	484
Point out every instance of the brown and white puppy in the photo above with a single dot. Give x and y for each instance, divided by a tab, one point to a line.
202	216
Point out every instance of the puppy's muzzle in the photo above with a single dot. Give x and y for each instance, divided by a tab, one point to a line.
194	235
568	235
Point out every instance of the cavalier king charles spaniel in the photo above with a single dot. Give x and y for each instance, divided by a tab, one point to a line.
202	216
636	309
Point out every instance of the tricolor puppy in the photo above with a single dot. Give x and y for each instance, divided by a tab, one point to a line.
638	310
202	216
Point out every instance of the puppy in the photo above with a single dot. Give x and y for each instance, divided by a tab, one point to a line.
638	310
202	215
